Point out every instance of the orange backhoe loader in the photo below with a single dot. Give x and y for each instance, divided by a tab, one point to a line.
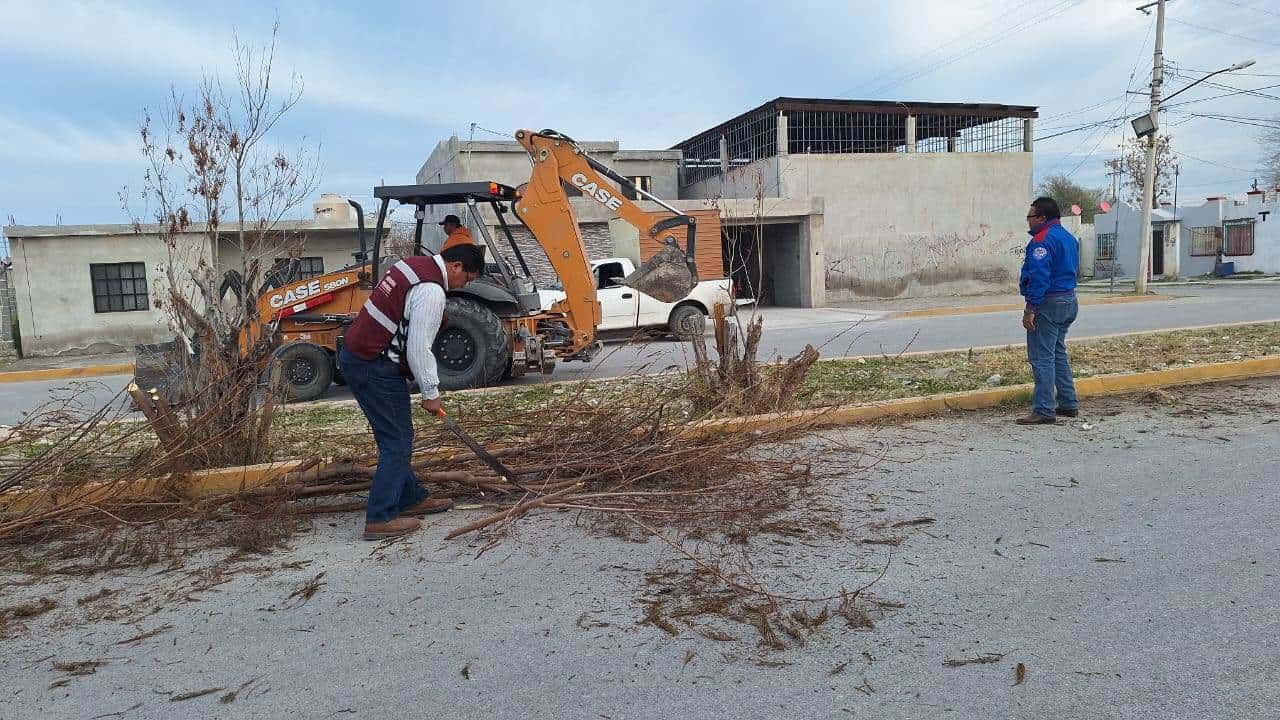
495	327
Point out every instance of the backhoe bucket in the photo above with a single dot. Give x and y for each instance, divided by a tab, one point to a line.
668	276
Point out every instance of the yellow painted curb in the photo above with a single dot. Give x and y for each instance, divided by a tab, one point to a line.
1002	307
978	399
14	376
222	481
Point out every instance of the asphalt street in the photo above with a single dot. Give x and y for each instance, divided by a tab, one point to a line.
835	332
1128	561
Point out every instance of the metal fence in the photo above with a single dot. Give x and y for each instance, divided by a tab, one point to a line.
818	128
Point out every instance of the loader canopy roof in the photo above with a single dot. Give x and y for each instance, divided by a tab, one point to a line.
445	193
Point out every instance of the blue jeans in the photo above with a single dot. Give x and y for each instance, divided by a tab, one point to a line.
1047	351
383	394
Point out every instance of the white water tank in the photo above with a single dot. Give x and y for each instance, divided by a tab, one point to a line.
332	209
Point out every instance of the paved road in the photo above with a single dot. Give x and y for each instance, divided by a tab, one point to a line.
1132	567
846	332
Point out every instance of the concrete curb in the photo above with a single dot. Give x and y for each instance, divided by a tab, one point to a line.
15	376
1002	307
222	481
1096	386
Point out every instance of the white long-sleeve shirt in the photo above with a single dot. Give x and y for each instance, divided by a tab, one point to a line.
424	307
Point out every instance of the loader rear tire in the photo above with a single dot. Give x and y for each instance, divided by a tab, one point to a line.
473	349
305	371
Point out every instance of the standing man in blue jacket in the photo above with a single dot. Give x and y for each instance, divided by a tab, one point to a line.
1048	284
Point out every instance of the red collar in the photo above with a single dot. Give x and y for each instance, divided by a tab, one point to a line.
1043	231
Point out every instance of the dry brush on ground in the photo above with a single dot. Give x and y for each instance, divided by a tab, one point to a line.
90	496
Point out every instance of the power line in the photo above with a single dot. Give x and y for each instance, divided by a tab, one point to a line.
1247	7
902	66
992	40
1215	97
1223	32
1273	126
1208	162
1246	91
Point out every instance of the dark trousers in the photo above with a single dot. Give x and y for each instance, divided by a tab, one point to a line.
1047	352
383	395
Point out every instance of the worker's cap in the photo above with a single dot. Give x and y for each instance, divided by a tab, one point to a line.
450	219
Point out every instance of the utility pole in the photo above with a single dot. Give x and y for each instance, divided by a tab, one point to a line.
1149	180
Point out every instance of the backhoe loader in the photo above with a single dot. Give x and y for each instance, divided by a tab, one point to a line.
495	326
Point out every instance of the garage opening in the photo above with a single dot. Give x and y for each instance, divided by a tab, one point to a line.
766	262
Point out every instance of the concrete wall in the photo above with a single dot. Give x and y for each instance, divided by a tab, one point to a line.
1266	229
914	224
1088	244
8	313
756	179
335	246
55	294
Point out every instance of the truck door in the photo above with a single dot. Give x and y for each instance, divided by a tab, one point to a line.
617	303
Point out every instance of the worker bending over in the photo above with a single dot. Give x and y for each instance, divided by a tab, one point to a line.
389	342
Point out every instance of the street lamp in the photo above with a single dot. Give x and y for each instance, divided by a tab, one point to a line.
1238	66
1145	125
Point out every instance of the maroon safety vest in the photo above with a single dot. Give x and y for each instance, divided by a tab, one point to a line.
381	321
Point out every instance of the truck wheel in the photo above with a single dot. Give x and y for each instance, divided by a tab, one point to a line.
473	350
305	371
687	322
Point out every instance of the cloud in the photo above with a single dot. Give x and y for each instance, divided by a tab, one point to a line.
61	141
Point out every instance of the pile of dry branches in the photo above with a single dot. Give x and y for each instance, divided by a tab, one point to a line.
78	495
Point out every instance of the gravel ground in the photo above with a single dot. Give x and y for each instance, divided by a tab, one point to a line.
1128	560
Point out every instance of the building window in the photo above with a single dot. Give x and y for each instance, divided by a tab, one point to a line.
1106	246
309	267
119	287
1239	238
643	182
1206	241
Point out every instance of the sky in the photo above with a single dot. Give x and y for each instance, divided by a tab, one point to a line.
383	82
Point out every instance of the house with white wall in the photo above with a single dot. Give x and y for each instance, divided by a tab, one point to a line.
1190	240
83	289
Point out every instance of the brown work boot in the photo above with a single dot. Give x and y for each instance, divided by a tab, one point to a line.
391	528
430	506
1034	419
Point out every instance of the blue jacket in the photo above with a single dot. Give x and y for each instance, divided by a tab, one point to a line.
1050	264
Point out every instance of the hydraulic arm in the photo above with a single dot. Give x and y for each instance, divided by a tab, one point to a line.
544	207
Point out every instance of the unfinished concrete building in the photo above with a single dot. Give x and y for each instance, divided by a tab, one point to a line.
915	198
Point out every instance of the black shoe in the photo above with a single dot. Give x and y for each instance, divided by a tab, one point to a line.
1034	419
1067	412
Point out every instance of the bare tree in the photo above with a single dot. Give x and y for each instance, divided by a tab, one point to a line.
1134	163
1270	140
216	181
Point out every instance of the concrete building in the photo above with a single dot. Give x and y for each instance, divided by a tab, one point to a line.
84	289
1189	241
821	200
917	198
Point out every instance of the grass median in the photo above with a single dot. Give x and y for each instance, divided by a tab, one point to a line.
340	429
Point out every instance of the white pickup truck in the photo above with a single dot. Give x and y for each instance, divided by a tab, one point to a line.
624	308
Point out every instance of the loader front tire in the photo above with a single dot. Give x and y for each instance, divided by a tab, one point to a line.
305	371
473	349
